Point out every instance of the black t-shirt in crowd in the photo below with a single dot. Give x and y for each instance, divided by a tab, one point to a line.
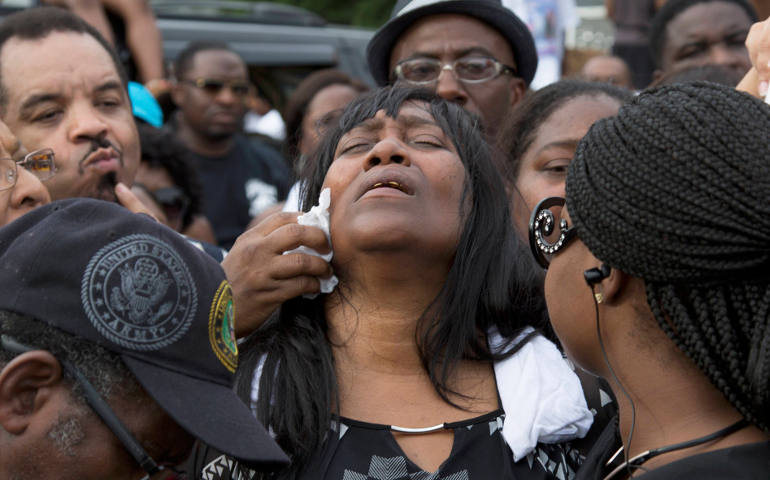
240	185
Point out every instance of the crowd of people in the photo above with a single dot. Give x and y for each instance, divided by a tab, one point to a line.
567	282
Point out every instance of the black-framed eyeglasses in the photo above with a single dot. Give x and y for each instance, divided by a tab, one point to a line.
40	163
544	240
213	86
104	411
470	69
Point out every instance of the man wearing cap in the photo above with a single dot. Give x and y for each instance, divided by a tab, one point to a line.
476	53
116	349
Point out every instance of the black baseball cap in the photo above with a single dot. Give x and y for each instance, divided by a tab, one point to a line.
121	280
491	12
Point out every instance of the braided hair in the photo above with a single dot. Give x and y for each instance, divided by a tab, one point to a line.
674	190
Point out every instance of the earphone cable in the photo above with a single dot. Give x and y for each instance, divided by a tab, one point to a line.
617	380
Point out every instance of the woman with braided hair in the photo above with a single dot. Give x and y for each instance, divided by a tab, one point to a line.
658	278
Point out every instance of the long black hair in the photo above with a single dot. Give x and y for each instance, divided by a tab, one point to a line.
298	388
674	190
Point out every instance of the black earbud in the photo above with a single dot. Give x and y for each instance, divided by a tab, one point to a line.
596	275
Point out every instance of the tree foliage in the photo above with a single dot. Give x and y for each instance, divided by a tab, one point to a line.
360	13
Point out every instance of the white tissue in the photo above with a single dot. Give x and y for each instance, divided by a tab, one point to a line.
541	395
318	216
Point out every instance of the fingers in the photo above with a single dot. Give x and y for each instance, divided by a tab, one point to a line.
10	145
284	290
262	278
275	221
281	233
758	44
128	199
254	307
297	265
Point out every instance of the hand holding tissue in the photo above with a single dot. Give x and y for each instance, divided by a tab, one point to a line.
318	216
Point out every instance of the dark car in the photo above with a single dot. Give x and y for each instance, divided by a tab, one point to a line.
280	43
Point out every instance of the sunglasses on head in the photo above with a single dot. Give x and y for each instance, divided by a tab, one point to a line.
544	240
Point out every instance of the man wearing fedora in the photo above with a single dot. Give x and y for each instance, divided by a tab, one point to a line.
476	53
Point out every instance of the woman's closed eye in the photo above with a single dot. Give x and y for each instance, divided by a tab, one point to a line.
557	166
355	145
427	140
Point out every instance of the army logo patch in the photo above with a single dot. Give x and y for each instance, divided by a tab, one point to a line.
138	293
222	327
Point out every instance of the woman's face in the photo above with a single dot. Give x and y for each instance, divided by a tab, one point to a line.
320	114
570	300
543	167
396	184
28	192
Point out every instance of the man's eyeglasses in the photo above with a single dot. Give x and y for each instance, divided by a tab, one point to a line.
40	163
213	86
104	411
472	69
544	241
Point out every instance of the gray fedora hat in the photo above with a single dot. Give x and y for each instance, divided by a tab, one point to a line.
491	12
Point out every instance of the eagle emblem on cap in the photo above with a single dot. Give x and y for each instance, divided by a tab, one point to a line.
138	292
141	288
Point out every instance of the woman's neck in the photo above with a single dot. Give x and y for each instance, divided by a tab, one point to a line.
373	319
673	403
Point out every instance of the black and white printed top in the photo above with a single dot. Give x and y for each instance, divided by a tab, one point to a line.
364	451
357	450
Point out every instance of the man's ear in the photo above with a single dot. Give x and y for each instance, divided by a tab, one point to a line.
518	89
25	385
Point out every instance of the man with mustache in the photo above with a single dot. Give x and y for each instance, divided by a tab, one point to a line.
61	87
240	178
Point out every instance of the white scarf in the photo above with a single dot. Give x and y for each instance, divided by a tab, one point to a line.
541	395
